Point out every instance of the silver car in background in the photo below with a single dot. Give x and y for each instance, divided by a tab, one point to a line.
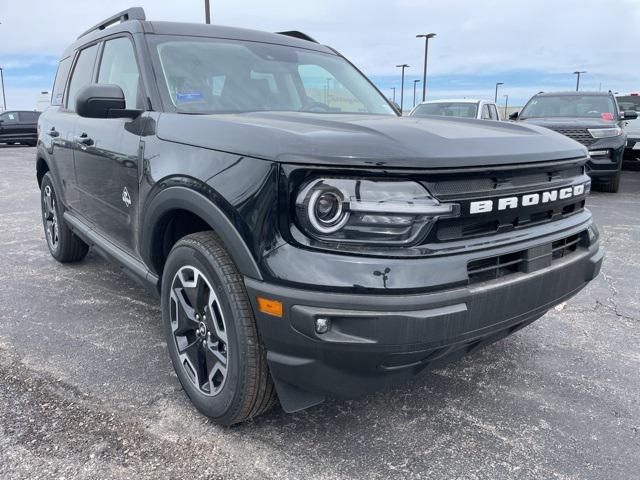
465	108
631	127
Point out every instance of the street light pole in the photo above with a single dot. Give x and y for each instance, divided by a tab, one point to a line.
424	71
506	103
495	98
207	12
415	82
403	66
4	98
578	78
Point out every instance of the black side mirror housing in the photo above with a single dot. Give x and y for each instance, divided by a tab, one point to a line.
514	116
629	115
103	101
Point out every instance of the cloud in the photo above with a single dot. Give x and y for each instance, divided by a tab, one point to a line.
494	38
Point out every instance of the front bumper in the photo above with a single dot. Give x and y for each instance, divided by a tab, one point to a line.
378	340
603	168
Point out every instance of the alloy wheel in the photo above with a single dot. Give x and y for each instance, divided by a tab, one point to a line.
50	217
199	330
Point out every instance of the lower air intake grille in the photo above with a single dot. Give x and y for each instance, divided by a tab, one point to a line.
529	260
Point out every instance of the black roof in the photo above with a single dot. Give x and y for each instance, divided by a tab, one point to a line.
136	25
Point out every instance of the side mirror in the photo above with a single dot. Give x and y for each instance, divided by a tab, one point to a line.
103	101
629	115
514	116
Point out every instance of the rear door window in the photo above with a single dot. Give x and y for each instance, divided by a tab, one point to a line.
62	75
82	74
28	117
485	112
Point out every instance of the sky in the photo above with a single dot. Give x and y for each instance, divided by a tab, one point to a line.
530	45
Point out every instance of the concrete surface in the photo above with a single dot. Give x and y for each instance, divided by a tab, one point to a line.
87	389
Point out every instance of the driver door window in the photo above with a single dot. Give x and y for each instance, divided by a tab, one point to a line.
9	118
119	67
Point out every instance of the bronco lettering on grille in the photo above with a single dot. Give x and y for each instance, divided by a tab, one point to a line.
527	200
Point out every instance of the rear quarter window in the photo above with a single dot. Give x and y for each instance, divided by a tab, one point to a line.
62	75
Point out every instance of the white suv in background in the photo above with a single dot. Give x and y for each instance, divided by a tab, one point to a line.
466	108
631	127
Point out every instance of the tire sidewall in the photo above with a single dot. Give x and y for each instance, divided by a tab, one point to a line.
223	404
47	181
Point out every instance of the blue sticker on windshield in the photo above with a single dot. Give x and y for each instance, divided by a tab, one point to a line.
189	96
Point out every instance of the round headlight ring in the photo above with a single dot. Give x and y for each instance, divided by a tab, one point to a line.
326	211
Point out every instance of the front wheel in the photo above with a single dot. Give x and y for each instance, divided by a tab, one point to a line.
610	187
211	332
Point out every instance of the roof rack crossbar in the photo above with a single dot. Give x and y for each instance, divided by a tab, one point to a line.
298	34
135	13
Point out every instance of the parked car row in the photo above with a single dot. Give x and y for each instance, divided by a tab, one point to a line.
597	120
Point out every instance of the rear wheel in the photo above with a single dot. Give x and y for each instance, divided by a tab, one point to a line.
63	245
211	332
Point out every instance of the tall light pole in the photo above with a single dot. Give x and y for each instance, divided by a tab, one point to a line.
506	104
495	98
394	94
207	12
402	66
426	37
578	78
415	82
4	99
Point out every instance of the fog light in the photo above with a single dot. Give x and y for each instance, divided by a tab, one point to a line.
323	325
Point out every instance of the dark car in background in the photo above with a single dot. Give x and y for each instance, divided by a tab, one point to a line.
591	118
19	126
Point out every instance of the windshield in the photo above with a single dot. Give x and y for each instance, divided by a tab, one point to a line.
632	102
582	106
453	109
226	76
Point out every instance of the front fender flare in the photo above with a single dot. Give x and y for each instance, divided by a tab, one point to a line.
183	198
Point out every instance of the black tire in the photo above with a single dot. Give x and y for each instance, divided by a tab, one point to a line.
63	245
612	186
211	332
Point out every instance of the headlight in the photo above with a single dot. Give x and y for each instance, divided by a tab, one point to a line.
605	132
368	211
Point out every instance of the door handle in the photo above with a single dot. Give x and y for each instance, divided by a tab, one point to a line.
53	132
84	139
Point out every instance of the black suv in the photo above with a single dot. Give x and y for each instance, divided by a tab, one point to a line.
305	240
19	126
591	118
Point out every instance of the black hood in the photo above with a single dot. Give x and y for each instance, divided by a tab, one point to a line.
368	140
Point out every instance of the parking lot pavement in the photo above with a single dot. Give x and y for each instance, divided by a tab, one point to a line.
87	389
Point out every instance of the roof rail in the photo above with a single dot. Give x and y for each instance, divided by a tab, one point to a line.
297	34
134	13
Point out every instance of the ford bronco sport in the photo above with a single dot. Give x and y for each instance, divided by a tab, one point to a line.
304	239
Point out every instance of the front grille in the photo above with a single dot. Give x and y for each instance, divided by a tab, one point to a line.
524	261
581	135
464	186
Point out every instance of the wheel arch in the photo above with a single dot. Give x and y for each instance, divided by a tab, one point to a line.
177	211
42	167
